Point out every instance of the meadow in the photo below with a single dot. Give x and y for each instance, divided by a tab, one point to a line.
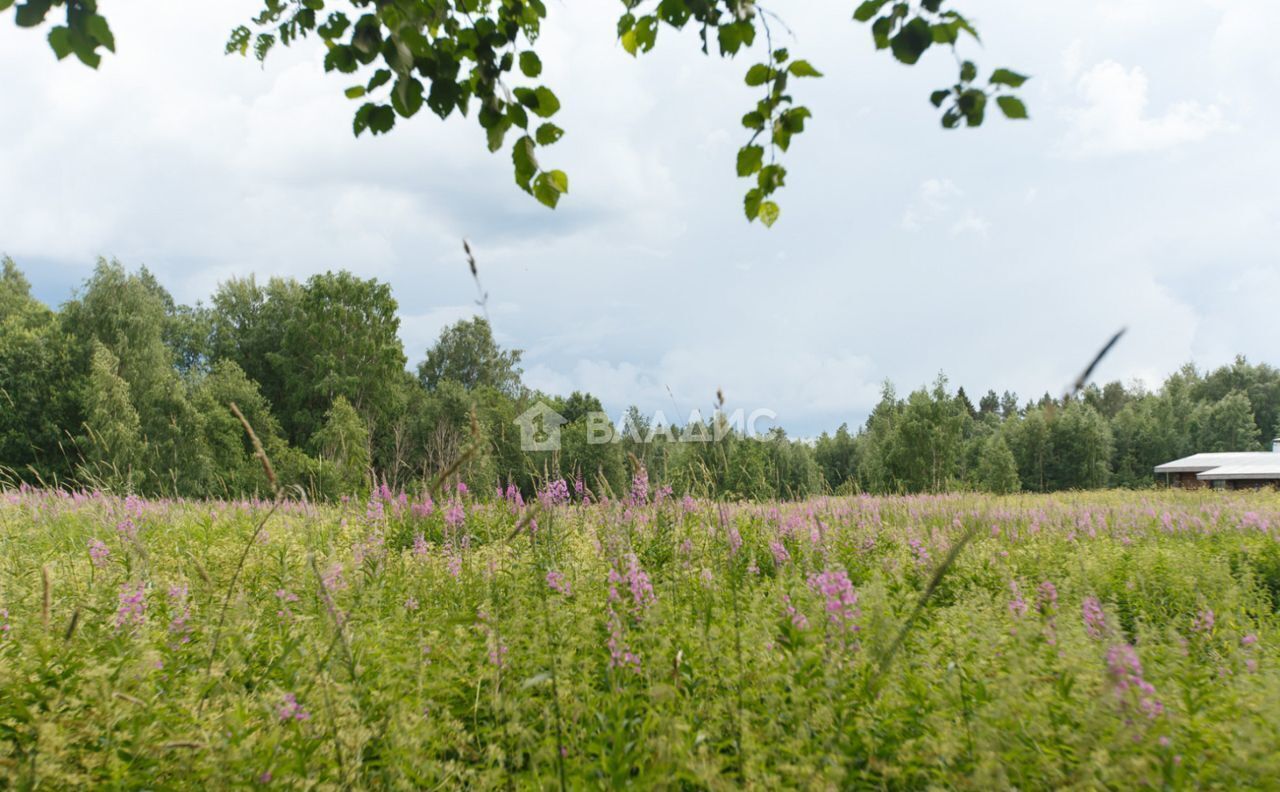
1096	640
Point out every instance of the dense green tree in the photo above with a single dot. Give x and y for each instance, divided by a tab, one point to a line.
1227	424
341	342
1030	442
467	354
129	314
1080	444
837	458
342	445
114	453
997	470
39	386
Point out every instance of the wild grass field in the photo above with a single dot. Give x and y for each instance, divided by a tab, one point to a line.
1110	640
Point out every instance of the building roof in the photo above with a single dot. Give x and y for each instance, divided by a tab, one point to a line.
1263	471
1199	463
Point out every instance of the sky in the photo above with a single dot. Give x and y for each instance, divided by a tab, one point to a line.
1141	194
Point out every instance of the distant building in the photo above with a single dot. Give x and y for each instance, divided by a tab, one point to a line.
1229	470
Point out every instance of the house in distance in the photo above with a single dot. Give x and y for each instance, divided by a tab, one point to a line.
1227	470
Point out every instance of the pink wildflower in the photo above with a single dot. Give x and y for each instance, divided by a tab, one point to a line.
841	601
291	710
99	553
1126	675
132	608
558	583
779	550
1017	605
1095	621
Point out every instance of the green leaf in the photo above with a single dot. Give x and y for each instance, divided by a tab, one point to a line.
530	63
628	41
559	179
32	12
868	9
753	120
972	105
802	68
548	104
750	158
751	203
911	41
1009	78
646	31
238	41
968	71
1012	106
382	119
735	35
938	97
380	78
548	133
354	92
547	189
262	45
60	42
96	26
525	163
758	74
945	33
406	96
769	212
517	115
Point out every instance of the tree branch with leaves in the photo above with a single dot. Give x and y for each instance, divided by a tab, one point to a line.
479	58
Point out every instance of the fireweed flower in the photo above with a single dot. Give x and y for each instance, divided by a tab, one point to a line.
4	623
1017	605
637	581
1128	683
840	599
497	652
132	608
798	619
780	554
1047	598
453	562
291	710
640	486
556	493
921	552
285	597
1203	621
455	515
558	583
423	508
411	603
462	488
332	579
735	540
126	529
178	625
99	553
1095	621
420	547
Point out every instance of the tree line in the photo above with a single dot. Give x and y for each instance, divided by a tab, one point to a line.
122	388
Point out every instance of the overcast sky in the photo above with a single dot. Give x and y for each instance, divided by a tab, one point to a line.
1143	193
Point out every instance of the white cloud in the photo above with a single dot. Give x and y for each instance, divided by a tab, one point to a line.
1113	118
935	204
